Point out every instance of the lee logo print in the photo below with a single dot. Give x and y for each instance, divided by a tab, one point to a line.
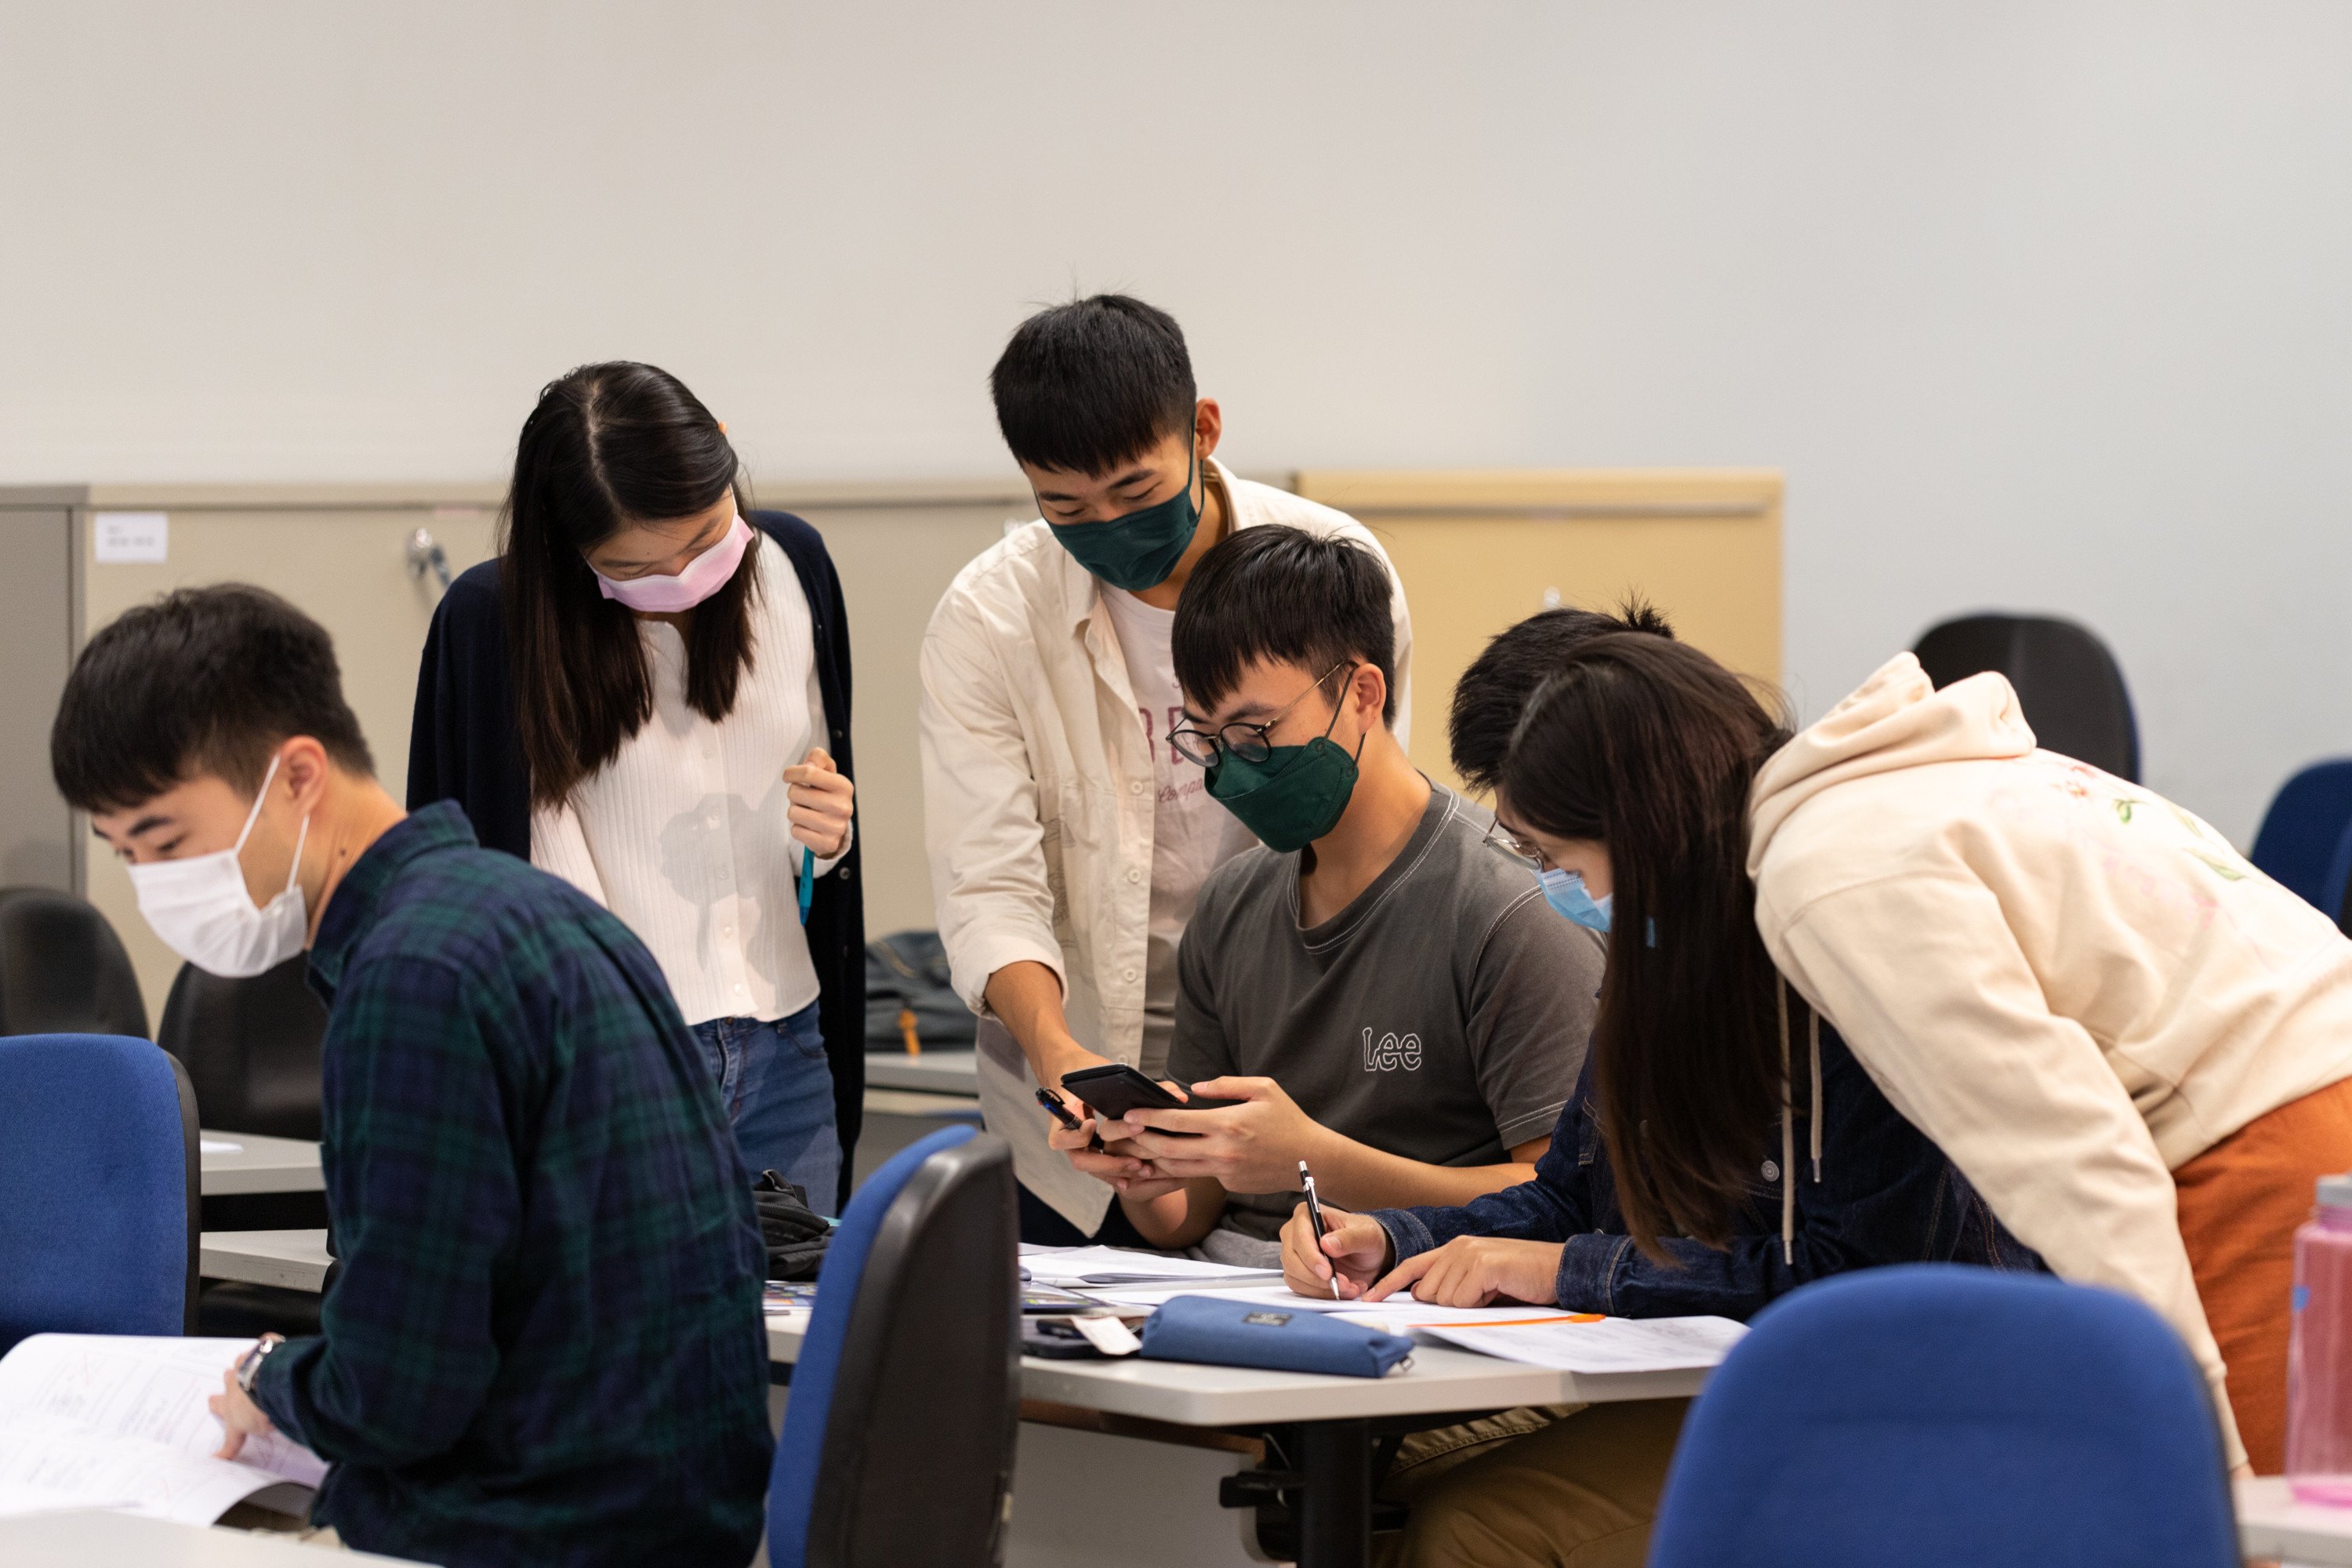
1391	1053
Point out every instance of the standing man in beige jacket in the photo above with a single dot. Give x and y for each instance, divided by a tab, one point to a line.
1067	838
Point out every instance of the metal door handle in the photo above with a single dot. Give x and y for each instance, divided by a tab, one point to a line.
424	553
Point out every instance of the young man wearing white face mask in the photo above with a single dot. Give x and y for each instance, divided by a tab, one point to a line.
545	1342
1067	840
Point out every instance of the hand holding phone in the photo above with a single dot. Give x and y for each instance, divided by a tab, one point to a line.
1116	1088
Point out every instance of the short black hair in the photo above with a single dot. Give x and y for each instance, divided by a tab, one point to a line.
1086	387
1493	692
1278	594
202	681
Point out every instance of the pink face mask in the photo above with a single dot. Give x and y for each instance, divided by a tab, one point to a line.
704	575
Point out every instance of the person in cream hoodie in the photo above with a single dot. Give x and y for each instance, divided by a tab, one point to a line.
2137	1047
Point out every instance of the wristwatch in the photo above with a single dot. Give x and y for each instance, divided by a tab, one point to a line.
250	1362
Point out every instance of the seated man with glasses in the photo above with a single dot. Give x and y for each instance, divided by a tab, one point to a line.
1379	984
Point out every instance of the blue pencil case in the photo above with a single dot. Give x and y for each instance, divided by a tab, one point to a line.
1241	1333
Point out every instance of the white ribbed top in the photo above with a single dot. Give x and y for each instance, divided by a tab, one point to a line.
683	834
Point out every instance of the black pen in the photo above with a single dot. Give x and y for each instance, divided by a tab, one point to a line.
1315	1215
1061	1113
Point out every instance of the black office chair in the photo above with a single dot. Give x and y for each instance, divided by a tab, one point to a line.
252	1050
2067	681
898	1440
63	970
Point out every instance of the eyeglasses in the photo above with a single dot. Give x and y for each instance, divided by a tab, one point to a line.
1511	844
1244	743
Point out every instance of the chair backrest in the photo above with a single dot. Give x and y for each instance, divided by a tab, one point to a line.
251	1048
898	1438
62	969
1933	1414
98	1188
2339	874
2070	686
2302	833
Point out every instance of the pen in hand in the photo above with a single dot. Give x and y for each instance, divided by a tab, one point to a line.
1061	1113
1315	1215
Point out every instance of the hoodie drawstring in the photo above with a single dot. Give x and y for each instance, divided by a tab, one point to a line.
1789	1120
1787	1143
1813	1039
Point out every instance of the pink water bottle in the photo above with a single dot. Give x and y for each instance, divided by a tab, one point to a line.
2319	1356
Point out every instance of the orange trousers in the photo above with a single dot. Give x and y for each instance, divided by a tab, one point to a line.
2240	1203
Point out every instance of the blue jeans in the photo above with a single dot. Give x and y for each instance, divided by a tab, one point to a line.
778	1090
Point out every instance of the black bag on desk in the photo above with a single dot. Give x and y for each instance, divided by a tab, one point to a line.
907	985
795	1234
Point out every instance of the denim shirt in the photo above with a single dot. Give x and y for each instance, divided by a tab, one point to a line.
1884	1195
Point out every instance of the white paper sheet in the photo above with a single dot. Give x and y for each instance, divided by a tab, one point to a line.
1606	1344
117	1421
1082	1267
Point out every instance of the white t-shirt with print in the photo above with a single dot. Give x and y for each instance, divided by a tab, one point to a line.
1190	835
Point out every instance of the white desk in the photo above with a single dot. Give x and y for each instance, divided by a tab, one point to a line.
290	1260
1334	1414
1441	1379
103	1540
259	1164
2271	1523
933	1072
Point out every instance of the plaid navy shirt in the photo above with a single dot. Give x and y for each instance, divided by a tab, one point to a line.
545	1342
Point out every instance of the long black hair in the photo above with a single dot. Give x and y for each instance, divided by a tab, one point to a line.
1649	747
607	445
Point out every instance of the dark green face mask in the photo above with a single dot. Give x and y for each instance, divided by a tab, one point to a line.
1137	551
1295	796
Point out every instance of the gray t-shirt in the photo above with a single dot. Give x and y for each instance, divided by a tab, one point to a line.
1443	1015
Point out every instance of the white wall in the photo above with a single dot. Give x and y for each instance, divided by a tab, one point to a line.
2039	304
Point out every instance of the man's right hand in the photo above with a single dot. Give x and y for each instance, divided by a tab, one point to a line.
1114	1163
1353	1245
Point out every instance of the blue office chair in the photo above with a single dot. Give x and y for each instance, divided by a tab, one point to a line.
2068	683
2306	840
1942	1417
98	1188
897	1439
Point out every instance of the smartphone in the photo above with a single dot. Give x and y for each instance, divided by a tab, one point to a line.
1115	1089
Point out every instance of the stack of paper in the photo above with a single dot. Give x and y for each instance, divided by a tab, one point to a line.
116	1422
1093	1268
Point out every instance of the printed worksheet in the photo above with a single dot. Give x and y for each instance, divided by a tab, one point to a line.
1397	1314
121	1422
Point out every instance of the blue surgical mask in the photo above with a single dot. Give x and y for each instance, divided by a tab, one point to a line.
1564	891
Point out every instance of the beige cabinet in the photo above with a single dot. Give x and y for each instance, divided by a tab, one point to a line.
1477	551
343	554
340	552
1481	550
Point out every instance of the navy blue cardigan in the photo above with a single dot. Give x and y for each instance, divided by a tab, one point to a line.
463	746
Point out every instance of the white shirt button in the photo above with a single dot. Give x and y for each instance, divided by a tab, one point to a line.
1133	875
1136	787
1124	973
